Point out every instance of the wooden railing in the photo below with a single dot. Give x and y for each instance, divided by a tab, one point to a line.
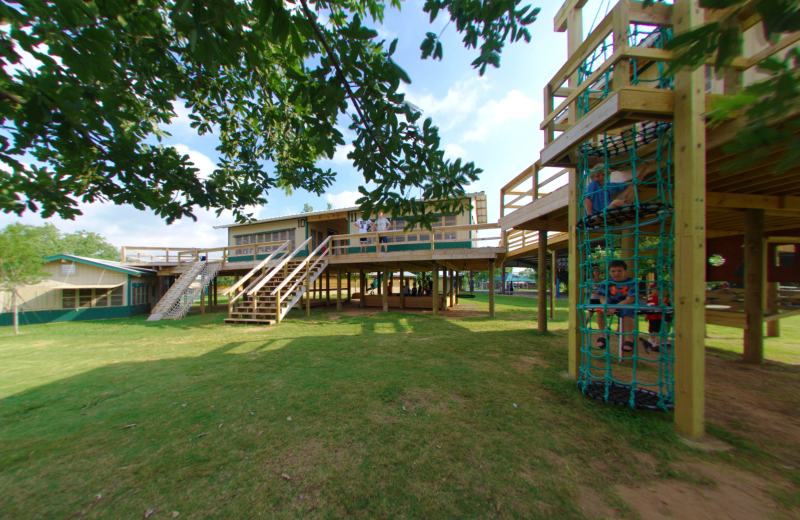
422	236
616	25
184	255
523	198
319	253
262	266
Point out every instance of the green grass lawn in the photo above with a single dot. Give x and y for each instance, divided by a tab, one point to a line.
379	415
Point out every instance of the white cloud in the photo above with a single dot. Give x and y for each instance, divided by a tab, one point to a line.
458	104
181	113
494	113
200	160
340	155
454	151
345	199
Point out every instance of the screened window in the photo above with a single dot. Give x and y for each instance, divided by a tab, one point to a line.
450	220
85	297
437	236
437	223
450	235
68	269
424	238
101	298
238	241
68	299
412	238
284	236
116	297
276	237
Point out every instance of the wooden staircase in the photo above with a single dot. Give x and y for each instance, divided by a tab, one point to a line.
179	298
270	295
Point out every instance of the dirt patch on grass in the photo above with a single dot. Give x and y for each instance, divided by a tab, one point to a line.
527	363
756	403
493	355
736	495
417	399
592	505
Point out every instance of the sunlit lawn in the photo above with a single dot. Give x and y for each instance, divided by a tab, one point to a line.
380	415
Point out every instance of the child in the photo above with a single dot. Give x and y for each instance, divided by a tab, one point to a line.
619	290
599	192
653	322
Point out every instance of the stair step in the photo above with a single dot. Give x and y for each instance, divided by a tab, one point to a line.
247	320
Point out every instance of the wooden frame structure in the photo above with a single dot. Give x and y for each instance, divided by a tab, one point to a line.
708	203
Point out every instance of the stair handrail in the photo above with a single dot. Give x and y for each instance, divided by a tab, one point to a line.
277	268
301	265
202	279
256	268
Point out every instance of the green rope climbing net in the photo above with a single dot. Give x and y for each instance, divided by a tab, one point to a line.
640	232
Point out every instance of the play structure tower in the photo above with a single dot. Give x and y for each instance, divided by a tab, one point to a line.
612	109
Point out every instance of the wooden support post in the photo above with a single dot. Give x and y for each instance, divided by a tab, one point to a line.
435	287
575	277
503	278
348	284
491	289
541	281
471	282
754	285
451	287
278	307
690	234
308	288
338	289
774	326
553	283
444	287
402	289
385	289
328	287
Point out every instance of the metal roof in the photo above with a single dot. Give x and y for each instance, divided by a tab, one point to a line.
106	264
310	213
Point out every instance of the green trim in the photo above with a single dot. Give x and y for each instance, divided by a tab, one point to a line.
139	284
249	258
89	313
413	246
265	232
98	264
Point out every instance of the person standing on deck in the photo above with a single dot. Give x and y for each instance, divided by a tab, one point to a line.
363	227
381	225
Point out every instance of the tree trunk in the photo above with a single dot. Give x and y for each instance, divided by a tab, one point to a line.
16	310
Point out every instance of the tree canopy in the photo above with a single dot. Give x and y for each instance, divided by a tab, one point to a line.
274	80
47	240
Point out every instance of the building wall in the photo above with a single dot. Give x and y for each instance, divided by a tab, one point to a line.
43	302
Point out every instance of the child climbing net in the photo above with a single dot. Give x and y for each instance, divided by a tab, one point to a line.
625	241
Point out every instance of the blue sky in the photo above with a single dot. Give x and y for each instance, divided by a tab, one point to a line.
492	120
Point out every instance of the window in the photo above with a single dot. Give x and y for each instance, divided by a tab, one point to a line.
424	238
276	237
245	240
301	222
399	224
68	299
450	235
139	295
437	236
100	298
67	269
116	297
284	236
353	216
450	220
85	297
437	223
412	238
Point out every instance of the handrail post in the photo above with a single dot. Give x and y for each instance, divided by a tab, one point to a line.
278	307
308	287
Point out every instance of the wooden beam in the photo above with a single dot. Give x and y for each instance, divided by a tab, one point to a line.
553	283
491	289
435	288
562	17
339	288
754	286
385	294
402	289
541	282
690	253
575	277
